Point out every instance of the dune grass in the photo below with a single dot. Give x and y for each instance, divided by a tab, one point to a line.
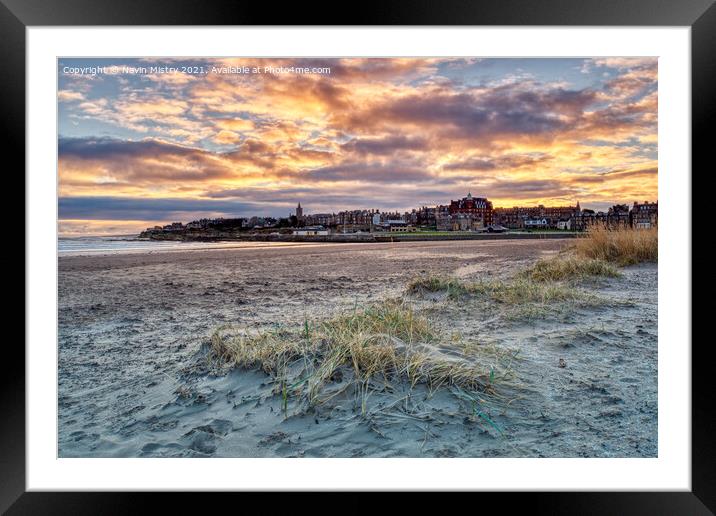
522	290
453	287
385	341
622	246
519	290
569	268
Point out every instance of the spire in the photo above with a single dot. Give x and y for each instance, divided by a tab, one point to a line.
469	195
299	204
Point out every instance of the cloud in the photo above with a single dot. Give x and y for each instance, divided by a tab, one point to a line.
148	163
393	172
129	208
482	117
386	145
510	161
389	133
649	173
70	96
106	148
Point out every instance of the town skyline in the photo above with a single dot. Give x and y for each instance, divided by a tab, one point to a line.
469	213
307	212
390	134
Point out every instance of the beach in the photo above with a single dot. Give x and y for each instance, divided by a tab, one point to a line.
136	377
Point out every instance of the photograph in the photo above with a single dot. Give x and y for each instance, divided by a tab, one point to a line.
347	257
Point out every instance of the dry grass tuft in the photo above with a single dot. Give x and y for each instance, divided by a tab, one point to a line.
519	290
623	245
451	286
566	268
522	290
388	341
269	351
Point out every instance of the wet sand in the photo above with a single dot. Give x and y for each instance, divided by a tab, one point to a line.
134	379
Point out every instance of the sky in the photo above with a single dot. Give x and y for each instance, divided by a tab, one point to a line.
145	142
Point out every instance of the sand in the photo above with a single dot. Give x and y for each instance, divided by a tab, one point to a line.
135	379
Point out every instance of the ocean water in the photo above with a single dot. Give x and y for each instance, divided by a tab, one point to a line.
111	245
88	246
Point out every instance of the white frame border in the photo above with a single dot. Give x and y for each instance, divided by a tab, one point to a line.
670	471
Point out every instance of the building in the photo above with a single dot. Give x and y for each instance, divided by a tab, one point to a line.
299	213
618	215
356	219
536	223
564	224
260	222
508	217
426	216
640	216
517	216
443	221
556	213
398	225
328	220
411	217
174	226
467	222
644	215
311	231
477	207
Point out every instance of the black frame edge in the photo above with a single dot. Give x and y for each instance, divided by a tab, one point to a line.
12	379
15	15
703	113
370	12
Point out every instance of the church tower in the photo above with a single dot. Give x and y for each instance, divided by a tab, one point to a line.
299	212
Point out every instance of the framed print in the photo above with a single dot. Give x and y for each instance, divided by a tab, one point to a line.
420	252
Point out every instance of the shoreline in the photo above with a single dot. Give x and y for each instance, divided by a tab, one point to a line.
290	242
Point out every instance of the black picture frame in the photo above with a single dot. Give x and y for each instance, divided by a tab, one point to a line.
700	15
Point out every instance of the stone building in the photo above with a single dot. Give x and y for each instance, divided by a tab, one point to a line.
520	217
641	216
466	222
645	215
311	231
477	207
508	217
618	215
426	216
443	221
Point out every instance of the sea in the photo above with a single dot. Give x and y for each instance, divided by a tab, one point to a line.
122	244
